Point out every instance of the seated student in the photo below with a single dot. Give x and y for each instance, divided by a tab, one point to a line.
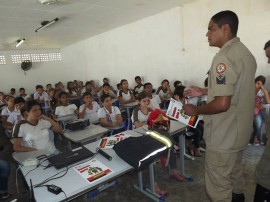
7	110
155	99
80	85
177	83
197	133
89	109
41	96
106	80
125	95
15	116
2	101
141	112
13	92
139	87
108	115
88	87
106	89
95	88
48	87
165	92
51	98
33	133
61	87
72	90
158	121
64	108
119	87
25	96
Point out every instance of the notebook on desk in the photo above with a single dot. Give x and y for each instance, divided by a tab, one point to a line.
70	157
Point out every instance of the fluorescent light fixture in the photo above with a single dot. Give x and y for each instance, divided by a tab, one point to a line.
46	24
19	42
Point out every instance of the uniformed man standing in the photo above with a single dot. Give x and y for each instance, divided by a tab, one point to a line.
228	114
262	171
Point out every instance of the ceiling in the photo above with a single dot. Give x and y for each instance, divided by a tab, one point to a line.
78	20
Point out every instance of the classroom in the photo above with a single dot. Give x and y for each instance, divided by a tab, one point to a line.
158	41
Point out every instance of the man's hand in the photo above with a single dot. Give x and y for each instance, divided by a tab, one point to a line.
193	91
190	110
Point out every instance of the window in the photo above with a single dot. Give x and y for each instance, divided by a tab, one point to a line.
2	60
36	57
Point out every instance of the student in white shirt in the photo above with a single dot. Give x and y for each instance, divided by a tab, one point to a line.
141	112
89	109
33	133
41	96
7	110
15	116
13	92
165	92
2	101
109	116
139	87
125	95
155	99
25	96
65	109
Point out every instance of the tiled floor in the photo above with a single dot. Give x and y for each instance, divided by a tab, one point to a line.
179	191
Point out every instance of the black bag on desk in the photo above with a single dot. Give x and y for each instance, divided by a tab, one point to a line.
78	124
139	152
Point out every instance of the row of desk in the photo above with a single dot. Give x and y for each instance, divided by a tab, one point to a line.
73	184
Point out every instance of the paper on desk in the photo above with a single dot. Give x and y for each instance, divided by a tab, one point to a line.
176	111
92	170
109	142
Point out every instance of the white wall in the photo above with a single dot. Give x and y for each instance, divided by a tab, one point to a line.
150	48
171	44
12	76
254	30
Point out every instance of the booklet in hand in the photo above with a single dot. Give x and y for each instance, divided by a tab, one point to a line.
176	111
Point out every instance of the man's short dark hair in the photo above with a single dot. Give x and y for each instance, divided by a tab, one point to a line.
179	90
63	93
86	94
106	84
227	17
39	86
267	45
261	79
22	89
147	84
176	83
138	77
104	96
122	81
19	100
88	83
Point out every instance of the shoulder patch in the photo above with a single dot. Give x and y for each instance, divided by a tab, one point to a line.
221	67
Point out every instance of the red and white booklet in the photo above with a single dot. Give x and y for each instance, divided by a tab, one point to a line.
109	142
176	111
92	170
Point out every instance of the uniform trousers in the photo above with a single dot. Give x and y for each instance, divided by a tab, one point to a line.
223	175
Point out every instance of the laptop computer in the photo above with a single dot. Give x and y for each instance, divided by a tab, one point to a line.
69	157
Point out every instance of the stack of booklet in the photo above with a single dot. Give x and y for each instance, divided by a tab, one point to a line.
92	170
